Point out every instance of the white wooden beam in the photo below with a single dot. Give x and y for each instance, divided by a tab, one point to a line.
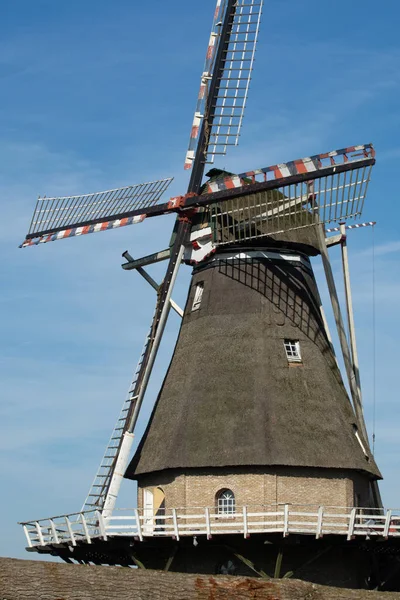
341	331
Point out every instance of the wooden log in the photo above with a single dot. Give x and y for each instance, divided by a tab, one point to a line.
37	580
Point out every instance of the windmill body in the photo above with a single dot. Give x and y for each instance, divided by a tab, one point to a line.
253	404
253	389
254	438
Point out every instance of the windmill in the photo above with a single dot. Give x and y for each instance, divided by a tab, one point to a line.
253	405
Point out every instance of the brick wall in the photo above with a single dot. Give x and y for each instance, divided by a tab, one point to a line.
258	486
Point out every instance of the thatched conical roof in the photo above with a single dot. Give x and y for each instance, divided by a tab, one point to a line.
231	398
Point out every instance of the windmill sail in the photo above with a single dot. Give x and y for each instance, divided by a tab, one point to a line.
62	217
223	118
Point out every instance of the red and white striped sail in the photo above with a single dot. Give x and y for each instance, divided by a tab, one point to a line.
226	115
69	216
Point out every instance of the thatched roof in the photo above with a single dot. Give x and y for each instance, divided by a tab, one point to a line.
230	398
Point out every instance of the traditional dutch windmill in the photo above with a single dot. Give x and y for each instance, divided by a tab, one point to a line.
253	417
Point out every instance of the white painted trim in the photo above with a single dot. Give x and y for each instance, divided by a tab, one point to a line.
54	532
319	523
175	520
268	254
245	526
352	521
138	525
288	519
208	526
85	529
70	531
387	523
28	538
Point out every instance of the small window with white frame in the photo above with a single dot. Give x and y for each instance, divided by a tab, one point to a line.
198	295
226	504
292	348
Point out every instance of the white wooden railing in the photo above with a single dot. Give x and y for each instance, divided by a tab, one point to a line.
284	518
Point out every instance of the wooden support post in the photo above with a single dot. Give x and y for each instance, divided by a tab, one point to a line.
137	562
71	533
138	525
387	524
175	520
352	522
350	313
319	522
40	534
208	525
171	559
54	531
286	520
245	525
28	538
85	529
341	331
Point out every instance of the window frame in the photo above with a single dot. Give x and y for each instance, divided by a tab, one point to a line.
198	296
292	350
225	507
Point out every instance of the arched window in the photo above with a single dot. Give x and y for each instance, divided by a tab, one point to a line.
225	502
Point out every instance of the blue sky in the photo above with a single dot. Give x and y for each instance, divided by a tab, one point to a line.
97	94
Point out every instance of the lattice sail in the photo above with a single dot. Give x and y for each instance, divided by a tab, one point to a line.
58	218
226	116
333	188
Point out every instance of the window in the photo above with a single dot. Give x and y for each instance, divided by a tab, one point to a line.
225	503
198	294
292	348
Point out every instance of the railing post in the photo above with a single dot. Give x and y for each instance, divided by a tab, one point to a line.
54	531
85	528
27	536
138	525
286	520
175	524
208	525
245	527
101	525
319	522
387	523
40	534
352	521
71	533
